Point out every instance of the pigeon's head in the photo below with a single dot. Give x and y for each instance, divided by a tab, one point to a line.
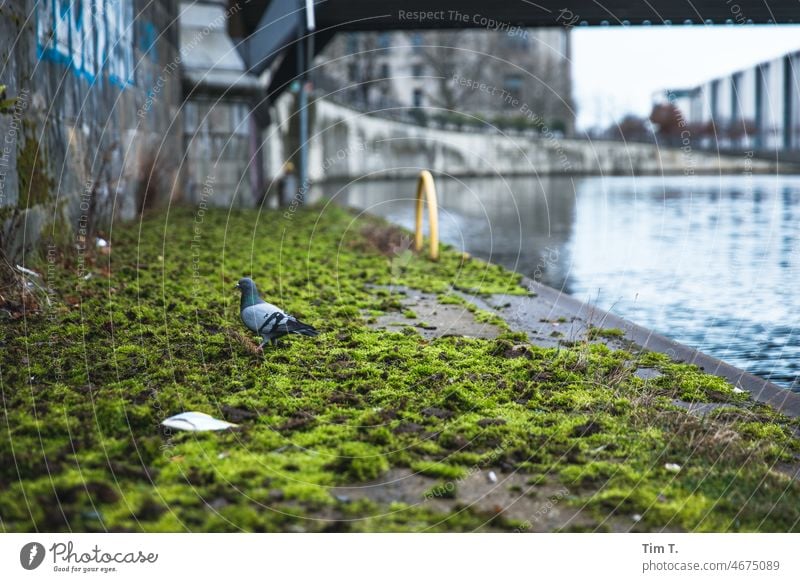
246	285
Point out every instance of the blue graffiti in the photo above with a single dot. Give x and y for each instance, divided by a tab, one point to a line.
147	40
91	37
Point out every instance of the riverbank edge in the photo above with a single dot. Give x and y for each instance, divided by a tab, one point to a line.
781	399
782	169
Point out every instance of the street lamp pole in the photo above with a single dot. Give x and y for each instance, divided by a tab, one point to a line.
305	54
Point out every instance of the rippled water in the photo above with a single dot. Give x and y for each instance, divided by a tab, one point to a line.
713	262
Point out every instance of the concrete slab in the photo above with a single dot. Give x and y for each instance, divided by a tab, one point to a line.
647	374
700	408
432	319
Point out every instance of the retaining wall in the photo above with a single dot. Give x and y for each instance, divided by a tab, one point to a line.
346	143
89	126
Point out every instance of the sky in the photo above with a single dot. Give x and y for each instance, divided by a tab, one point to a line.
617	70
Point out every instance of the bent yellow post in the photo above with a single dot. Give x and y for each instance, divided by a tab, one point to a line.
426	186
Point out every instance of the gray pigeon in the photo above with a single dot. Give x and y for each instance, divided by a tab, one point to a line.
265	319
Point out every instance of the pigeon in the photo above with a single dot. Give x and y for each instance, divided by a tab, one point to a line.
267	320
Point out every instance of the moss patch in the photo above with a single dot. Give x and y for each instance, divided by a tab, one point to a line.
598	332
155	331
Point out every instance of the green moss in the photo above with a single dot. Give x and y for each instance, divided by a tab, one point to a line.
598	332
359	462
58	232
446	490
6	105
437	469
155	331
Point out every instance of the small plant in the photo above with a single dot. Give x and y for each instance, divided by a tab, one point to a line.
608	333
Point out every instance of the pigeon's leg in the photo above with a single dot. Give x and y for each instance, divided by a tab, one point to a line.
261	345
274	342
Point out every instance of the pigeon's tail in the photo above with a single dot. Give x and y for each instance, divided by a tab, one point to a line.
300	328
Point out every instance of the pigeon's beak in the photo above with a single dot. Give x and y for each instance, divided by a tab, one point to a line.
236	286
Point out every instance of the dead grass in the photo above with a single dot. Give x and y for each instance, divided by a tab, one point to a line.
386	238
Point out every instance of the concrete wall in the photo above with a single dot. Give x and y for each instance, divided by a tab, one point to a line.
88	122
346	143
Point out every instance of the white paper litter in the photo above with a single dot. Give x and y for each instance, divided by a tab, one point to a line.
195	421
672	467
492	477
28	271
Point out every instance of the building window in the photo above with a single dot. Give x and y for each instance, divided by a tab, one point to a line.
352	71
788	105
352	43
736	86
384	40
416	42
517	42
416	69
759	107
416	98
385	71
715	101
513	85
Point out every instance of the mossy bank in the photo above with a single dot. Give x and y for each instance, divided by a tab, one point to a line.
330	428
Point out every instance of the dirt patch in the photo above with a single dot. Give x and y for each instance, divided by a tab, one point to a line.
540	507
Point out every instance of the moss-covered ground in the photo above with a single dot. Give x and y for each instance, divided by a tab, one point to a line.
154	331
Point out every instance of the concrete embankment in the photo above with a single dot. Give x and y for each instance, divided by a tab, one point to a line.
537	316
347	143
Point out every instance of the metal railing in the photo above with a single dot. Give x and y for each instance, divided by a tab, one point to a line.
426	187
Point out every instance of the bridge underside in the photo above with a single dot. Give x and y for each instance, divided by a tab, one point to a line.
417	14
265	28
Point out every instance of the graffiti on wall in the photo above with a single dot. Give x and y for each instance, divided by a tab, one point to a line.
92	37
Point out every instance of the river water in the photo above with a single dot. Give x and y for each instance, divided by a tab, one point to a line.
712	262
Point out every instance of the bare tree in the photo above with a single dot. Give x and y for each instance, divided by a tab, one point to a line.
668	119
631	128
444	54
367	65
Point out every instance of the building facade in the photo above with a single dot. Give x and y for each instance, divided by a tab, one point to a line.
754	108
510	74
223	160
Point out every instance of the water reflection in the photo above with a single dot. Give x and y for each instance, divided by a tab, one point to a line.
517	222
713	262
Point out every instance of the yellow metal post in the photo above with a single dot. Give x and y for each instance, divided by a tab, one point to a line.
426	186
